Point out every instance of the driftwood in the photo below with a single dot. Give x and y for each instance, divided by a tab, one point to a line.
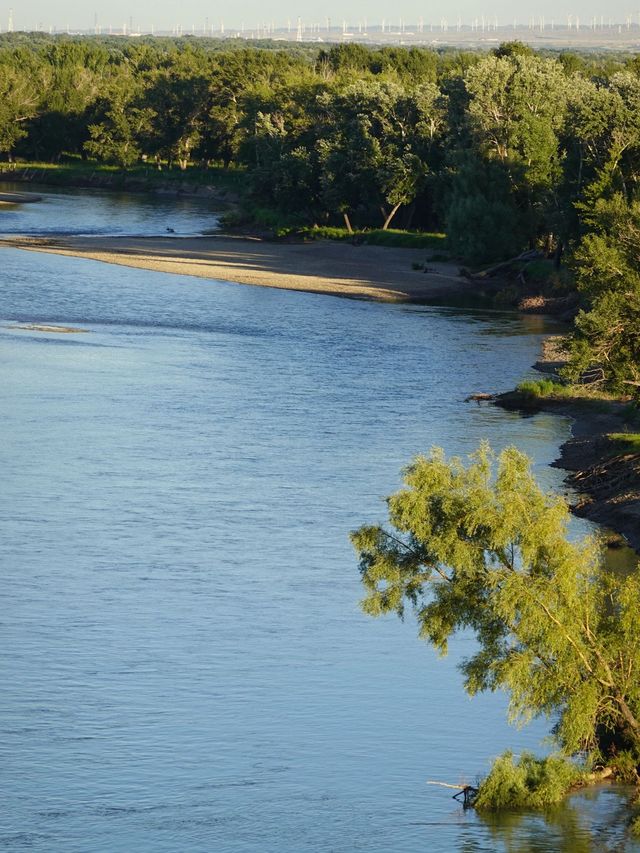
479	397
531	255
600	775
467	792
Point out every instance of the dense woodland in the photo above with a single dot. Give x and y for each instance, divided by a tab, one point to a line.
503	151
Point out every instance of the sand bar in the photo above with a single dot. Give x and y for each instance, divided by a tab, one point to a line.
340	269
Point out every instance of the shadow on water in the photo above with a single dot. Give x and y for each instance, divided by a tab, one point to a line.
590	821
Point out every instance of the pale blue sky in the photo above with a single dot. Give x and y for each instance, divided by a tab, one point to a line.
165	15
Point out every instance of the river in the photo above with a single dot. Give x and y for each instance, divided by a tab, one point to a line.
184	663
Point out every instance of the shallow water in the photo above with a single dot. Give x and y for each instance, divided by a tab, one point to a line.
184	661
106	214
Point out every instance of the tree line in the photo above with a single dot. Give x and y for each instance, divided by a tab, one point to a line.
504	151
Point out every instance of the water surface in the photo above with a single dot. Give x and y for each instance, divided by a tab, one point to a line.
184	663
84	212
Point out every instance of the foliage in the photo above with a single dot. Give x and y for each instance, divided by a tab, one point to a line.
528	783
607	332
535	389
482	548
506	151
625	442
483	220
378	237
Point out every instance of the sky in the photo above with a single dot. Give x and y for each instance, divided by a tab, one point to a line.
198	14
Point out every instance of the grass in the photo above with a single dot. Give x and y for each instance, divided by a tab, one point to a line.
261	218
549	389
68	172
625	442
379	237
539	389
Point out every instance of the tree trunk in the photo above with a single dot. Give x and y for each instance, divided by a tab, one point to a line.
557	255
347	222
409	218
394	210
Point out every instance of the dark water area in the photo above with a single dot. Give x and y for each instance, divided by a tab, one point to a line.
184	663
83	212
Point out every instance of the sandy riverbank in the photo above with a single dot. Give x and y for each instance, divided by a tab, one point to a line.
339	269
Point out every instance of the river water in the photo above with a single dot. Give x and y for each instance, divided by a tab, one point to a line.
184	663
85	212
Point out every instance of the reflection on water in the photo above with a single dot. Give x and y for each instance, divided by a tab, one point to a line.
185	666
591	821
96	212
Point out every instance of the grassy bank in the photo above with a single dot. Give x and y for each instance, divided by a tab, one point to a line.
603	455
86	173
378	237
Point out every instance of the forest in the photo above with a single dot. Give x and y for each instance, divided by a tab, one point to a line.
504	151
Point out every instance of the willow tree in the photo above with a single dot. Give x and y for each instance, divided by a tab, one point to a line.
482	548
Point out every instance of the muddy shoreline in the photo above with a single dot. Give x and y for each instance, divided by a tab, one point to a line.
607	480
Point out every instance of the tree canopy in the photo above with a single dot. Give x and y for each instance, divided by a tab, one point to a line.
481	548
505	151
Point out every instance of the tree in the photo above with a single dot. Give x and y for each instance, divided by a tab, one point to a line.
19	99
178	95
467	550
515	112
606	339
117	139
375	143
483	221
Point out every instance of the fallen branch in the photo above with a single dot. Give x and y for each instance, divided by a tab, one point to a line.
468	792
479	397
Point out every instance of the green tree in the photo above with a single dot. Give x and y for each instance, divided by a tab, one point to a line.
601	142
605	345
376	143
483	221
19	99
515	113
117	139
179	96
484	549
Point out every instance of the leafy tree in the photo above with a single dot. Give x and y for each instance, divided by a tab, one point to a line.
483	221
178	95
602	139
376	144
606	342
484	549
513	48
72	76
19	99
117	139
515	113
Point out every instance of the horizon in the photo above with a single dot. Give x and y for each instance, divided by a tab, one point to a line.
307	22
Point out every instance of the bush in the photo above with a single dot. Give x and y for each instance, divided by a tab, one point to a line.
535	389
379	237
531	783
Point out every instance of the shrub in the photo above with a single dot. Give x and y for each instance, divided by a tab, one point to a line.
378	237
535	389
530	783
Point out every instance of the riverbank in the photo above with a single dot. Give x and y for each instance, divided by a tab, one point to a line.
339	269
603	468
223	187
